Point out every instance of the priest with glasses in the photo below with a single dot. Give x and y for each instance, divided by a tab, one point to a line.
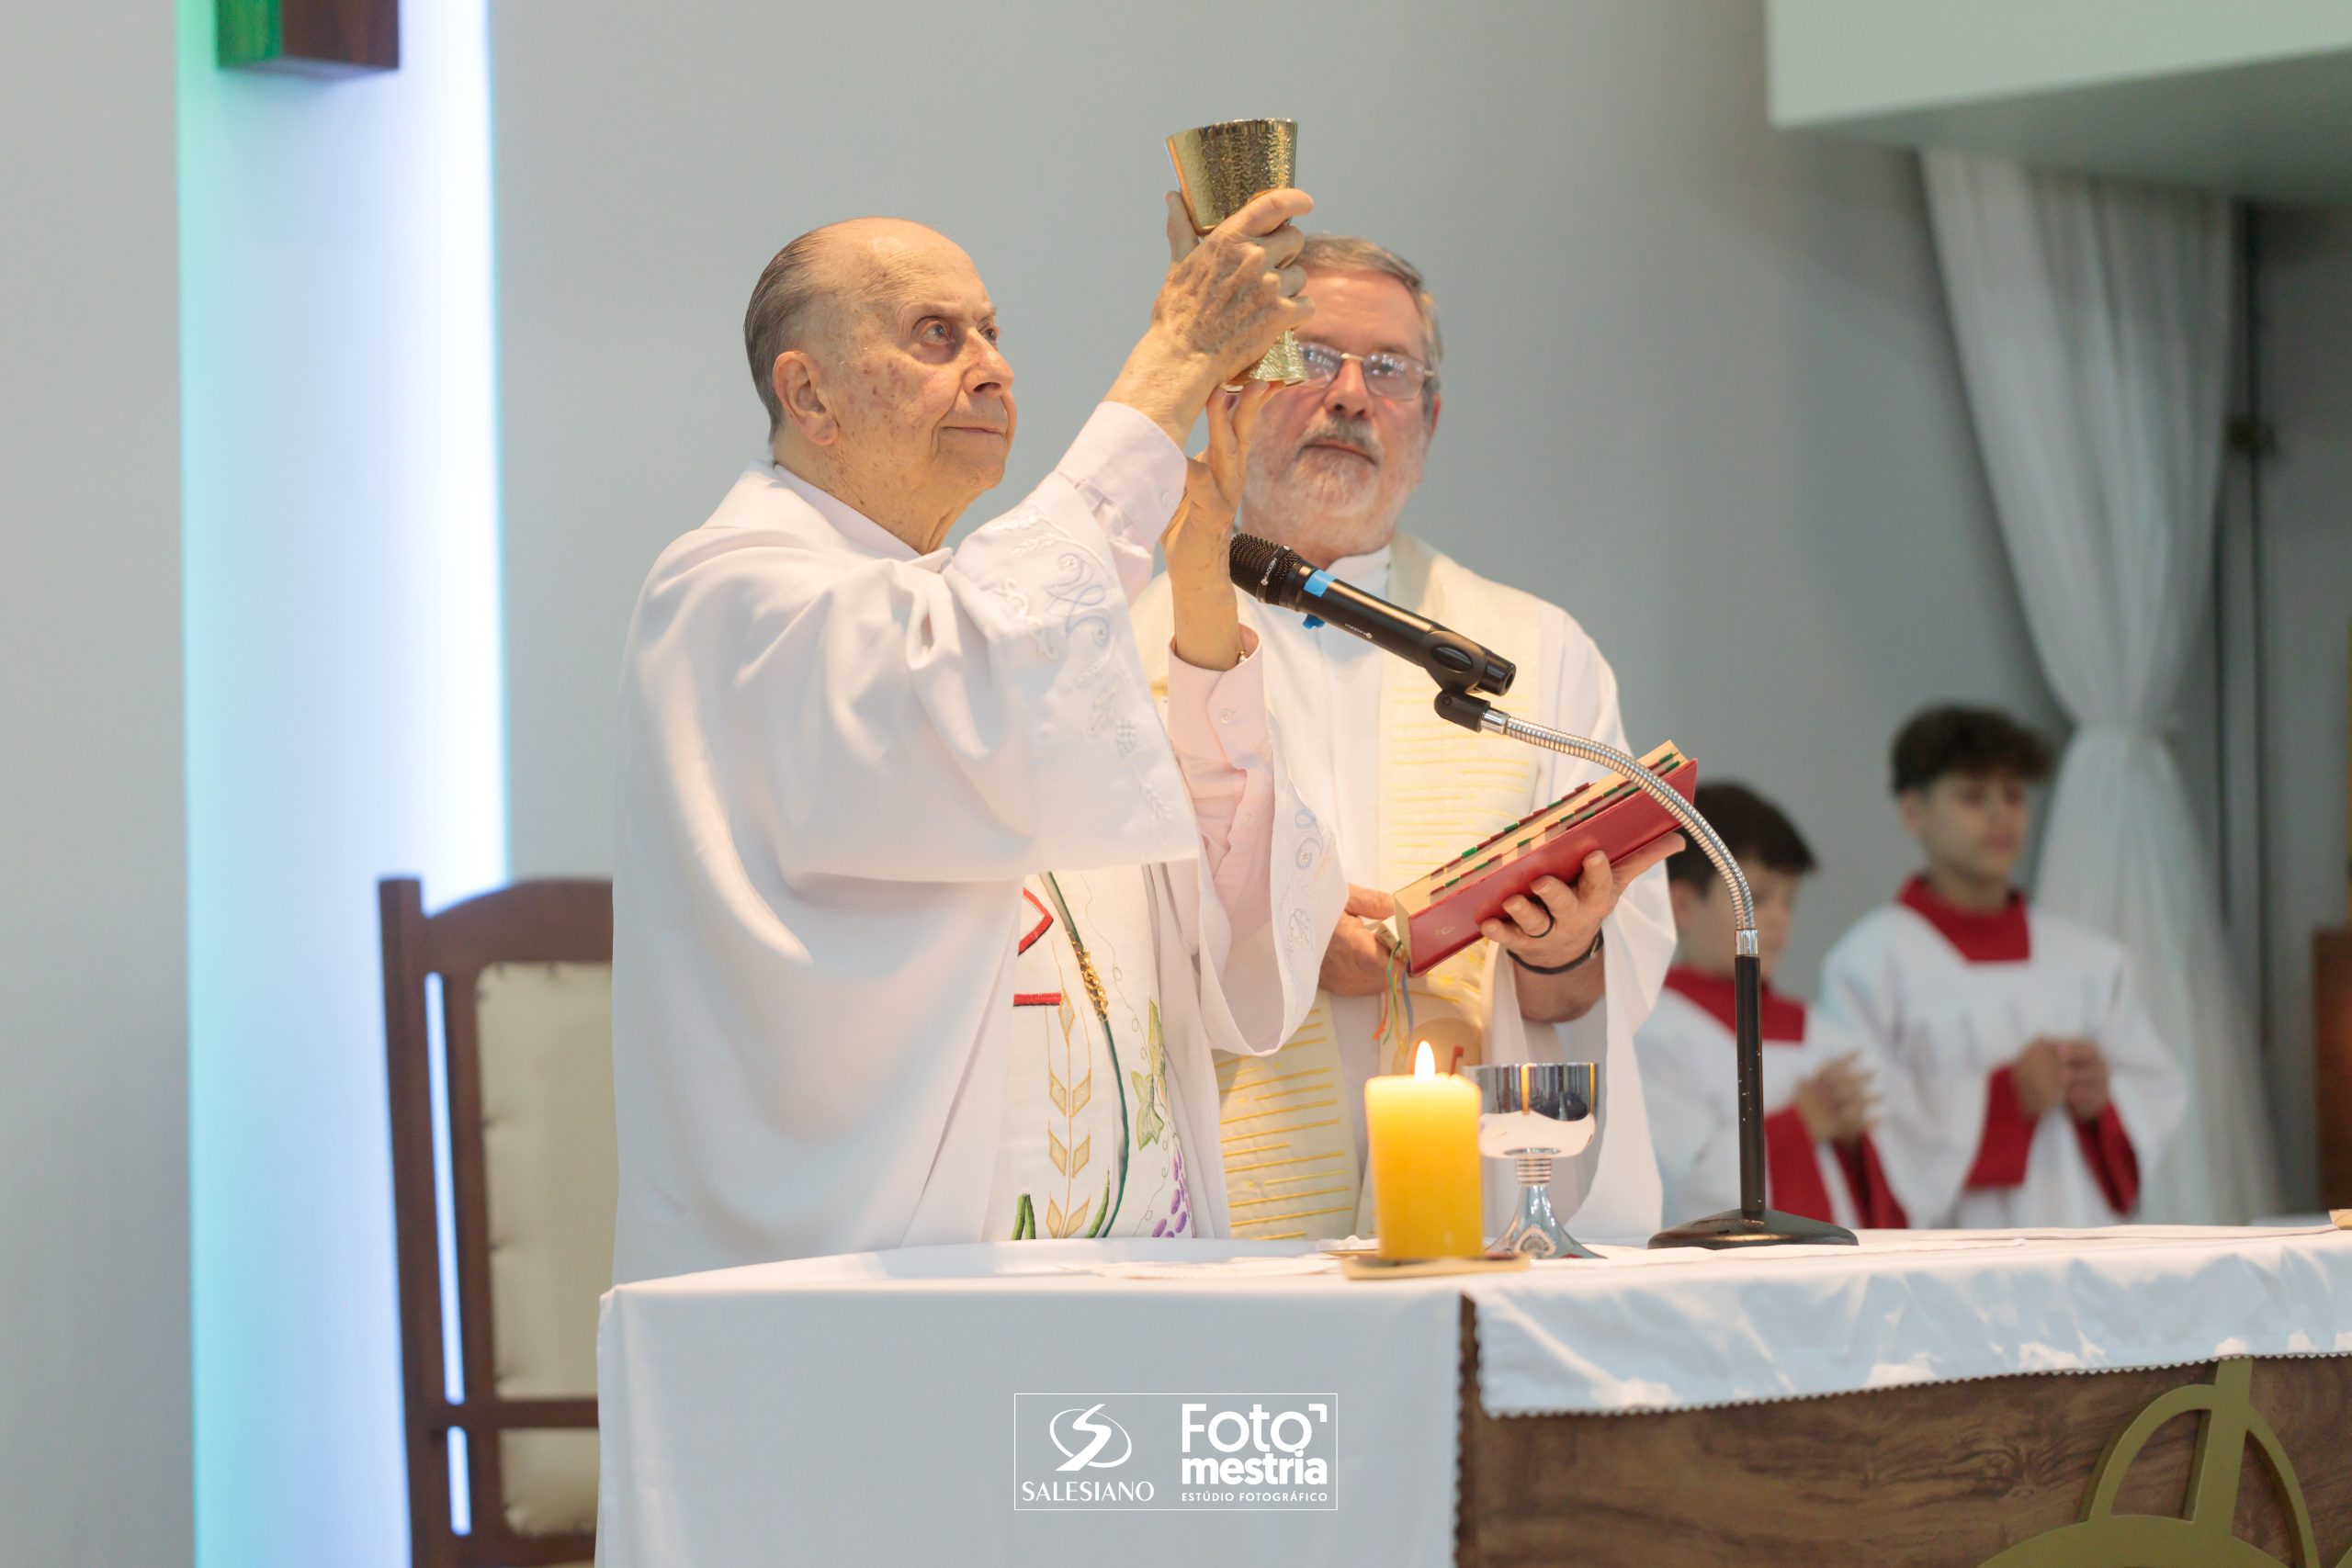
1571	970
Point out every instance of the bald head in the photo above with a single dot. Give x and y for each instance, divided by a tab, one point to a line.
873	347
811	290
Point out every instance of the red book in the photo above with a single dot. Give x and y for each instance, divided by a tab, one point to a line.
1440	913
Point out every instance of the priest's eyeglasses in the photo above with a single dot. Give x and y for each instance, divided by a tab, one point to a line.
1396	377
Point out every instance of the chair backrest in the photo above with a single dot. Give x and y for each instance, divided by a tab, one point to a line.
525	1091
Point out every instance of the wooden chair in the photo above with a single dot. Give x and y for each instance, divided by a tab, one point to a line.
525	975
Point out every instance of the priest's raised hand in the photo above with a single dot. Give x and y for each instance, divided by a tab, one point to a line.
1198	544
1225	301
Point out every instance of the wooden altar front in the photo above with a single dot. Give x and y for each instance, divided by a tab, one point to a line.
2218	1465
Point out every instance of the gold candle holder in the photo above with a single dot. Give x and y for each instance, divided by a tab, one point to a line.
1220	169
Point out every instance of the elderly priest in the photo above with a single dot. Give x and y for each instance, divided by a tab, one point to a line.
926	920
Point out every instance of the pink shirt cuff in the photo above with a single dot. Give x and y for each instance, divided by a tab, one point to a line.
1216	721
1132	477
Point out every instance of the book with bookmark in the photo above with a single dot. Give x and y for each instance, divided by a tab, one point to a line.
1439	916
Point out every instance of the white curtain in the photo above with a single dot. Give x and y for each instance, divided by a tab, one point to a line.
2093	318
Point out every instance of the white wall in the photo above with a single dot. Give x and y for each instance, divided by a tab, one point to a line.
1699	385
93	1247
343	723
2304	593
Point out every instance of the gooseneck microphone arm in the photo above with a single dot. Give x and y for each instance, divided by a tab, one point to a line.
1281	577
1752	1223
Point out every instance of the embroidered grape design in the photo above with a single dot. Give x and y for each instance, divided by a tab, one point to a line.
1179	1207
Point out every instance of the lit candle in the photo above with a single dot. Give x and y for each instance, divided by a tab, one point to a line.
1425	1163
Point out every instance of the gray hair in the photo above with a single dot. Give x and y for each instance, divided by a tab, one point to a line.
778	316
1347	253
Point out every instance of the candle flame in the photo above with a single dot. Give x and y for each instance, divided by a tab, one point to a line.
1424	1062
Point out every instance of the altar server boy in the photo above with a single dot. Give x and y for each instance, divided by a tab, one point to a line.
1820	1158
2026	1087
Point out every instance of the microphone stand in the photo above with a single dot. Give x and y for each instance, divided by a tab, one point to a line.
1750	1224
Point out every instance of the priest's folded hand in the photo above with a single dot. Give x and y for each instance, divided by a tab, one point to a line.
1356	963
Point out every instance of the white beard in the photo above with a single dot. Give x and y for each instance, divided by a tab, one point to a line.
1331	505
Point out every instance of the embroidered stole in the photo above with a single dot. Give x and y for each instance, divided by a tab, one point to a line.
1092	1144
1291	1164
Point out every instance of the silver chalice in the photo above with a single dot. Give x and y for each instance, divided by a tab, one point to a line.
1531	1113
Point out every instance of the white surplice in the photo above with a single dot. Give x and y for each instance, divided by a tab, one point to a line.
1330	695
1949	998
841	761
1689	1050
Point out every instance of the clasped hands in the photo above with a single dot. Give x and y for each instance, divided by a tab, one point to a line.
1837	1103
2057	1069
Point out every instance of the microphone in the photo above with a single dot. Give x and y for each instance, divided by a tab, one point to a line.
1281	577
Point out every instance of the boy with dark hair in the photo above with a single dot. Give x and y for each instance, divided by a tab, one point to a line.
2026	1087
1820	1160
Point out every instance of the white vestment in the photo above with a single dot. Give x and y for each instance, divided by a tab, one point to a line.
839	762
1404	791
1690	1072
1950	999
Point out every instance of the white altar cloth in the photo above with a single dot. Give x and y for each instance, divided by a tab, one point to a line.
863	1409
860	1410
1683	1330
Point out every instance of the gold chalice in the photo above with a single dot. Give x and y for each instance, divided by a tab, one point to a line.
1219	169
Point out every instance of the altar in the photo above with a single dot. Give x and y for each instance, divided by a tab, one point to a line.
1941	1397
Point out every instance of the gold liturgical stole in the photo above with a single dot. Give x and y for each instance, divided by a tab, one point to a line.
1291	1164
